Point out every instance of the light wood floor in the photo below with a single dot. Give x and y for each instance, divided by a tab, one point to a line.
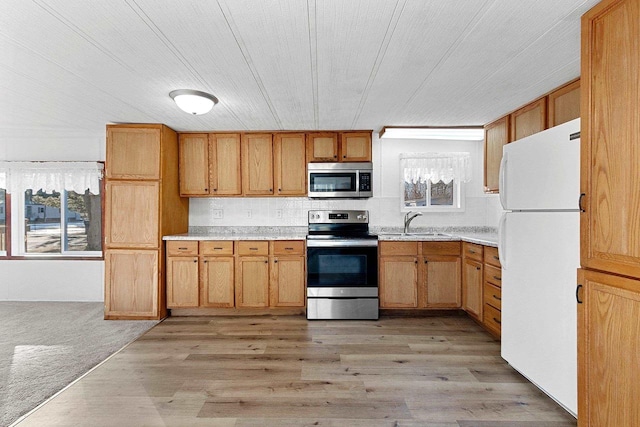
287	371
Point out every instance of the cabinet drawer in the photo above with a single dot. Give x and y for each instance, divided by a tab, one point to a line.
472	251
182	247
398	248
492	319
492	296
493	275
491	256
216	247
288	247
250	248
441	248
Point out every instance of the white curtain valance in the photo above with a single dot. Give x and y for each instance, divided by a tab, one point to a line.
16	177
435	167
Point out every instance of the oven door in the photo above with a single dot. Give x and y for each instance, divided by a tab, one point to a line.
338	264
325	184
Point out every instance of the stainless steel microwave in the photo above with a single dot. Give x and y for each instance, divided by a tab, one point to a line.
340	180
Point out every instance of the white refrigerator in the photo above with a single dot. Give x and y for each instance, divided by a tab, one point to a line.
539	246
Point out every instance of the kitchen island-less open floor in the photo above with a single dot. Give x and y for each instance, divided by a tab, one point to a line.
287	371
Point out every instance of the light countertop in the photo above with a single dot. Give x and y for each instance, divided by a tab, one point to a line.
480	235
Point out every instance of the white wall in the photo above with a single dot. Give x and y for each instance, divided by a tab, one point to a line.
58	280
384	207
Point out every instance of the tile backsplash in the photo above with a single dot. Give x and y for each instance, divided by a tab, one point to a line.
292	211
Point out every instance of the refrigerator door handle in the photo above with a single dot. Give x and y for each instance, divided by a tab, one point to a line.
502	241
502	189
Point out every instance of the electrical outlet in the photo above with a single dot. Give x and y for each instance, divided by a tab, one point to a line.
218	214
279	213
248	213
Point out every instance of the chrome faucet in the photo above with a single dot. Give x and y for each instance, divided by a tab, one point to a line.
409	216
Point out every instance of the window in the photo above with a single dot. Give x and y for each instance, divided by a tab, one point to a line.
433	181
56	208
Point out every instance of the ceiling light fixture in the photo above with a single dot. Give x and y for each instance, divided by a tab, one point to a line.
462	133
193	101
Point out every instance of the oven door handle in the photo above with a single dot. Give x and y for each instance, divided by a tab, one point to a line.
342	243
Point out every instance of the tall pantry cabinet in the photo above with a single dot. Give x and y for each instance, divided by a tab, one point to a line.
142	204
609	280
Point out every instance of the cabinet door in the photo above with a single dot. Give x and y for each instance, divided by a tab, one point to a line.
290	164
355	147
287	282
132	153
443	281
252	282
528	120
399	282
564	104
194	164
496	135
610	158
257	164
182	282
472	288
225	166
608	351
132	214
217	281
322	147
131	284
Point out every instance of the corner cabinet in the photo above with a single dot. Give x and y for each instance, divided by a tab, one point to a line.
142	204
609	282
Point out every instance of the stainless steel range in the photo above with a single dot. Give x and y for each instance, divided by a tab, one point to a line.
342	266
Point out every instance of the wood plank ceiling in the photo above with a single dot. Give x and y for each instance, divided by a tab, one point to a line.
281	64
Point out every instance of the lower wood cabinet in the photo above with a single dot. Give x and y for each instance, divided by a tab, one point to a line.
608	350
472	288
420	274
241	274
252	284
133	277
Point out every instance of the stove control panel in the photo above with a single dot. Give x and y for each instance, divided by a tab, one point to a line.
338	217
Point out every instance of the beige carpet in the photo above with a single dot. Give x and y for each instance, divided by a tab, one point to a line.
46	345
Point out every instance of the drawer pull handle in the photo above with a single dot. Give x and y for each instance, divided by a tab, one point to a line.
497	297
497	321
183	249
497	278
496	258
217	249
471	251
253	249
288	249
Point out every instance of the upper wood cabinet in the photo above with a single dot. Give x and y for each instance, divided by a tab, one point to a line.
610	127
530	119
322	147
290	164
194	164
564	104
355	146
225	166
496	135
257	164
133	153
